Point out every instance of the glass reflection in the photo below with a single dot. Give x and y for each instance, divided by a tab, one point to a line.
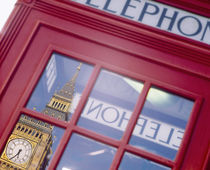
31	145
62	80
162	122
134	162
84	153
110	104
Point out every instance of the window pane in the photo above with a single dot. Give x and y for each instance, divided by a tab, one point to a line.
110	104
84	153
63	79
134	162
31	145
162	123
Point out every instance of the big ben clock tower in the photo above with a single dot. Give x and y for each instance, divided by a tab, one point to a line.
29	145
61	101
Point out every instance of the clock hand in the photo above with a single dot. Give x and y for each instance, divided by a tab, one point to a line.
20	150
19	153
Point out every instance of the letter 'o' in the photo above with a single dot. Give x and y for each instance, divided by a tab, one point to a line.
181	22
110	115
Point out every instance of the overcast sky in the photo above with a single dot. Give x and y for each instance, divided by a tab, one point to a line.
6	7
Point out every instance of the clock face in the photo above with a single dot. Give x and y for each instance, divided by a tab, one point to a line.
19	150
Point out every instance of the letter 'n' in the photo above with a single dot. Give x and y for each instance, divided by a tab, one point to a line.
92	109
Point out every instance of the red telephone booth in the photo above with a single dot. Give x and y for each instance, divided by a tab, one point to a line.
105	85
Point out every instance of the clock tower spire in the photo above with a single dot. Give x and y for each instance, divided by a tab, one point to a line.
29	145
61	101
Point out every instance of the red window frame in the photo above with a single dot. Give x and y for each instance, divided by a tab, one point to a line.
109	42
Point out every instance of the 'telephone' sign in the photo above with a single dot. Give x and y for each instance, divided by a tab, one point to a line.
117	118
157	15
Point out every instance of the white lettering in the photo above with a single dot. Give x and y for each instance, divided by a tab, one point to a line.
117	118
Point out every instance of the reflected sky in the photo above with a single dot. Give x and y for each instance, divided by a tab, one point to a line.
84	153
133	162
57	134
169	104
110	100
159	129
162	123
58	72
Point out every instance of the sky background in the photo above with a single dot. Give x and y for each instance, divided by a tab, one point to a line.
6	7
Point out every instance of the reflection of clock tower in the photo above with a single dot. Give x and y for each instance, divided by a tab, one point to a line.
29	145
60	103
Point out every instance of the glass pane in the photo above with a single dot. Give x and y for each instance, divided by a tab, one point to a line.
134	162
84	153
63	79
110	104
31	145
162	123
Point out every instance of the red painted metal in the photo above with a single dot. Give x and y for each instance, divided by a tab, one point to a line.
188	133
150	156
200	7
130	126
75	117
37	28
206	164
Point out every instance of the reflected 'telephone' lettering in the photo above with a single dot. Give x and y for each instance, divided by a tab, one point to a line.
147	128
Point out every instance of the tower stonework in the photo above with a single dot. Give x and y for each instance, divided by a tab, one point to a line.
29	145
61	101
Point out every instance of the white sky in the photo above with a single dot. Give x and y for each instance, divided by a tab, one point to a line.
6	7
